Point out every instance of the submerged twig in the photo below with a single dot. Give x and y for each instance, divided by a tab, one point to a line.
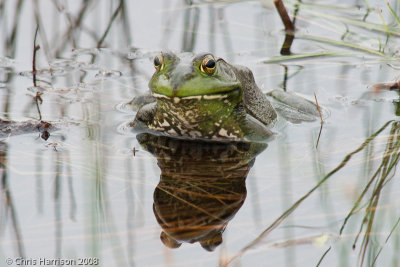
377	87
35	49
38	97
287	44
285	77
287	22
319	134
289	36
289	27
318	108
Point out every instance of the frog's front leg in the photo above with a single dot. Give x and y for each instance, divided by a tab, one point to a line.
144	116
255	130
141	100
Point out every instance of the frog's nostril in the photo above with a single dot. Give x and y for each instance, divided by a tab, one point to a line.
175	85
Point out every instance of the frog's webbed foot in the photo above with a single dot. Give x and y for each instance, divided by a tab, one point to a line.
295	108
141	100
292	115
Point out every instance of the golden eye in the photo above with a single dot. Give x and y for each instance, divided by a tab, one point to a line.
159	63
208	65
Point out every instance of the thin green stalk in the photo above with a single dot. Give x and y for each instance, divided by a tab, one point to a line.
384	24
393	13
387	239
323	256
306	56
342	44
356	22
358	201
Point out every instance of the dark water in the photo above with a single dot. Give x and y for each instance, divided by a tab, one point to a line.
95	192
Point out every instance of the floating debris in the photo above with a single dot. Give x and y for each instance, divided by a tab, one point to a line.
378	87
9	127
108	74
138	53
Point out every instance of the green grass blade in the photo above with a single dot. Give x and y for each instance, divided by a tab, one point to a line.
342	44
357	22
305	56
393	13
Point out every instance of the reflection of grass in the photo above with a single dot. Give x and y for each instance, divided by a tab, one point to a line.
7	206
384	173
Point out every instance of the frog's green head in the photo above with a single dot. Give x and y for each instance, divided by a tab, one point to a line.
201	76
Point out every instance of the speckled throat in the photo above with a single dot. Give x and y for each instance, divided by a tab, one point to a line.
206	116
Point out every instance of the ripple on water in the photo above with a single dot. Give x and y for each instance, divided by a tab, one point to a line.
6	62
125	107
125	129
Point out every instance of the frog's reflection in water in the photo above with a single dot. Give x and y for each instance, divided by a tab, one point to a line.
202	186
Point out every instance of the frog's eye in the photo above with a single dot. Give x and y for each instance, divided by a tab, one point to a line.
208	65
159	63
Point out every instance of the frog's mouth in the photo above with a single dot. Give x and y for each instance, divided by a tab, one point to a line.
216	96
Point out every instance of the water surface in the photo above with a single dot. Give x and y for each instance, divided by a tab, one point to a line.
92	191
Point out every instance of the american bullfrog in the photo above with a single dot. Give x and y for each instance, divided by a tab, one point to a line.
204	97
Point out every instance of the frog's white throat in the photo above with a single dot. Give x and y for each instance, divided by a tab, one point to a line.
177	99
